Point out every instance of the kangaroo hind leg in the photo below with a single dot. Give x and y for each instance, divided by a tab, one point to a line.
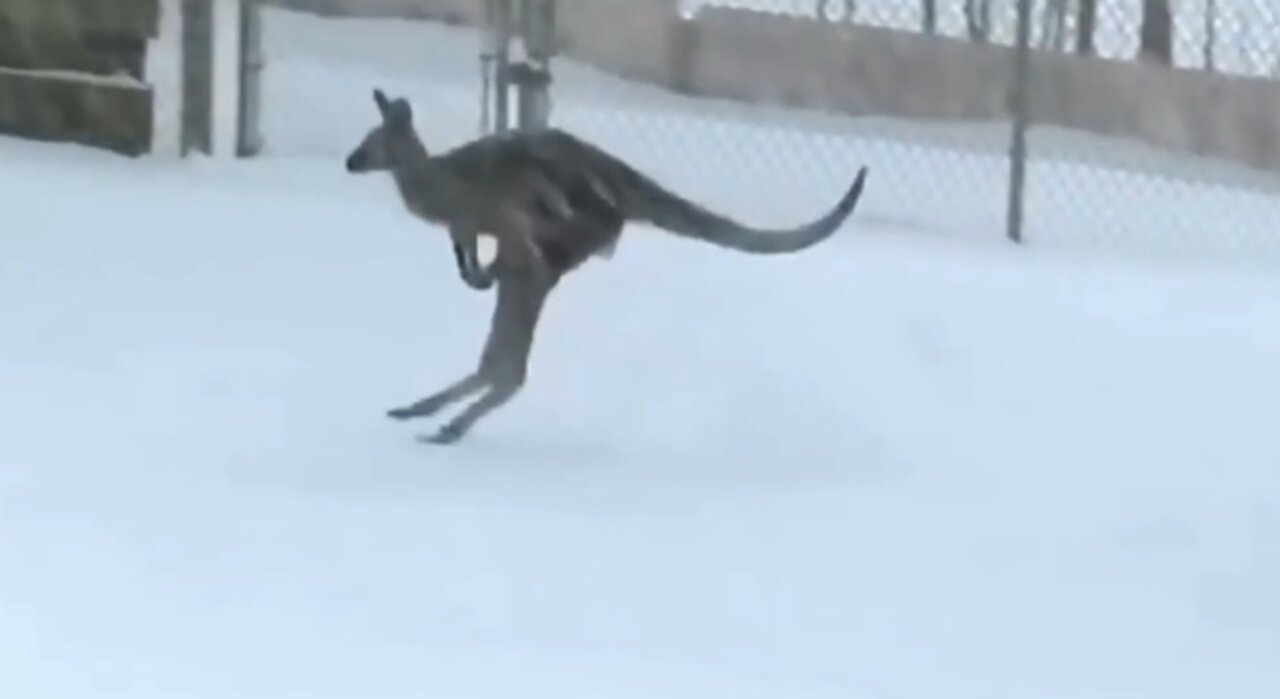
505	360
435	402
453	430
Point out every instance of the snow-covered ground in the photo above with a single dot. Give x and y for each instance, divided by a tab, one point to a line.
894	467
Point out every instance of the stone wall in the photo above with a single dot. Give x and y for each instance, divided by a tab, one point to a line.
132	76
71	70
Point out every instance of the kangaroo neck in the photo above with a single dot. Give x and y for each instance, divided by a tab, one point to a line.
430	191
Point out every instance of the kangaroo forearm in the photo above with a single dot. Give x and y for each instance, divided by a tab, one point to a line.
469	268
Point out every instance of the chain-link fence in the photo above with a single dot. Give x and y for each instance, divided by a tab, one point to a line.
1142	125
1171	129
1146	125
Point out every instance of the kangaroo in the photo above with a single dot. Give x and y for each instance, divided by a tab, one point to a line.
552	201
432	190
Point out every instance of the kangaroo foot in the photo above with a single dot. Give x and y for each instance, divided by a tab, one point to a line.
446	435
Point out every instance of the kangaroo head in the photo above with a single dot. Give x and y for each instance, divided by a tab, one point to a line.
389	143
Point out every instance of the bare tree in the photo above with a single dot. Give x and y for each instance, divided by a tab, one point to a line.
1087	19
1053	25
977	16
1210	34
930	8
1156	36
837	10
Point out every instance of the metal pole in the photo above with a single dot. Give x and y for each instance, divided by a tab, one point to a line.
487	56
251	65
1019	107
496	66
533	76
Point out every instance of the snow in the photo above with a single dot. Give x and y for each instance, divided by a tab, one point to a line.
900	467
123	80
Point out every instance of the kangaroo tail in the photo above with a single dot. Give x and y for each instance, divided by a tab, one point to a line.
651	203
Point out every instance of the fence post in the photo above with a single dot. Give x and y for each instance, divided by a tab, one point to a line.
251	66
197	70
533	76
1020	111
495	63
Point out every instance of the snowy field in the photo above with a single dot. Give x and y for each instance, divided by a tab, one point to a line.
895	467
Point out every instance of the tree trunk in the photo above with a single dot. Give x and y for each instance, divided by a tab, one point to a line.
1157	32
1053	25
1210	34
977	15
930	16
1087	20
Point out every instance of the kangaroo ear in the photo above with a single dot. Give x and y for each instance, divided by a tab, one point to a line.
398	114
380	99
402	109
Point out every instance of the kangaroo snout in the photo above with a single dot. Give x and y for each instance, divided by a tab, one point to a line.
356	162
